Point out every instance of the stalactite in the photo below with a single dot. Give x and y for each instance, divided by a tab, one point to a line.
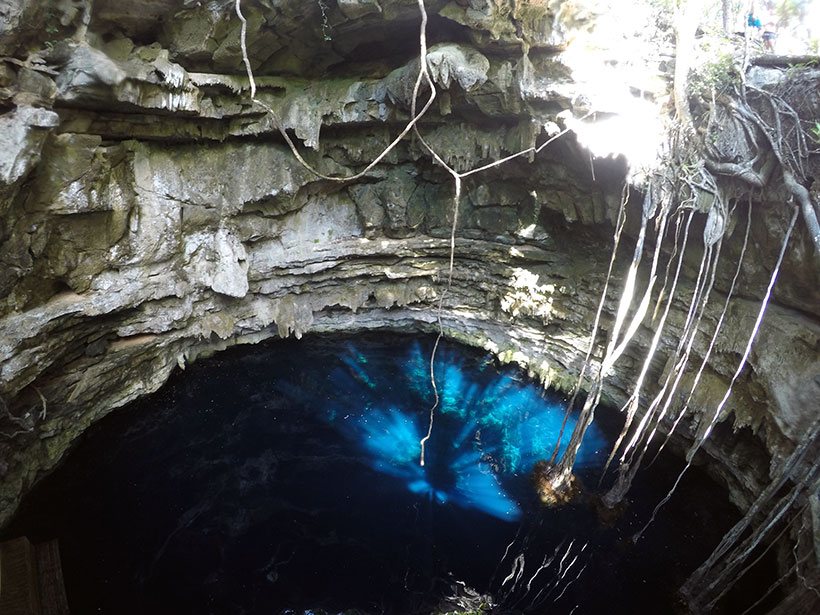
414	118
624	329
412	125
457	180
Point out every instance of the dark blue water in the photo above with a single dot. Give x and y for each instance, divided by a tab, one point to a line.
285	477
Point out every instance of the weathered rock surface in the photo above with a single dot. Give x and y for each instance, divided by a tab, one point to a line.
152	214
22	134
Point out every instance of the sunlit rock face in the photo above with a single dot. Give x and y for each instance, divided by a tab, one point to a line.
150	214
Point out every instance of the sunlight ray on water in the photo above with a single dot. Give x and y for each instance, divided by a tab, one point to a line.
255	477
502	426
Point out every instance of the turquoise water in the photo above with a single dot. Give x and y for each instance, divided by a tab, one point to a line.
488	425
285	478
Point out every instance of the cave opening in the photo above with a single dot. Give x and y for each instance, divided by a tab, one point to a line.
179	177
284	477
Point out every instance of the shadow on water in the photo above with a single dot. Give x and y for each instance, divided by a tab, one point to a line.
286	477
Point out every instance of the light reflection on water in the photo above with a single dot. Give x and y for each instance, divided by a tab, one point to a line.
488	426
285	478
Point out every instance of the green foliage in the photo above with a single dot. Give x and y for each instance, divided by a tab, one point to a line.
815	132
717	73
791	10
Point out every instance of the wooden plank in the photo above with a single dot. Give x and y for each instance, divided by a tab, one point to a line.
18	578
53	600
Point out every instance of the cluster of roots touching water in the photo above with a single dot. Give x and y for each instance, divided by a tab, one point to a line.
704	175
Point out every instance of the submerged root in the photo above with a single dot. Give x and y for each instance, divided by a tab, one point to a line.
461	598
554	488
609	514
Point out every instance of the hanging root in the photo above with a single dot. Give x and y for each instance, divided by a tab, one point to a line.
412	125
632	405
801	471
628	465
734	557
414	118
457	180
716	414
710	347
555	483
456	200
20	425
618	491
803	199
788	155
550	494
619	227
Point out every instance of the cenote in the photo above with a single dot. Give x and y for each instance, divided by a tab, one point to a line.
285	477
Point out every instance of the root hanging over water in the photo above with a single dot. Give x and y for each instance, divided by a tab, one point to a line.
628	464
701	438
556	484
552	487
579	383
632	405
774	131
781	502
710	348
423	78
692	179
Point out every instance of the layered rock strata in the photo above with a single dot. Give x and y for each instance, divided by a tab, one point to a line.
150	214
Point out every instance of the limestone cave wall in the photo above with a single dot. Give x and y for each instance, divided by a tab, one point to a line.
150	214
